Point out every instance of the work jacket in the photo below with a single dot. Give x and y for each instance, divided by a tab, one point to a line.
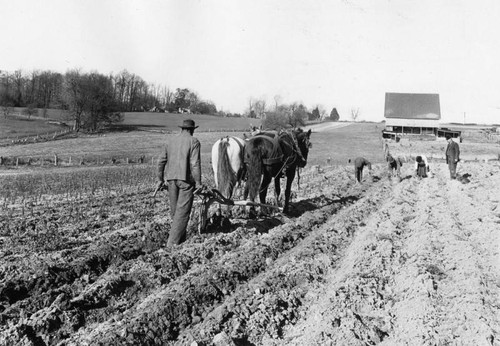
182	159
361	162
452	152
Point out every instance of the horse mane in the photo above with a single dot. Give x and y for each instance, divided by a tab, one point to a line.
226	177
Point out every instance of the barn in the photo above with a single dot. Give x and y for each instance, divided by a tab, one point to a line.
411	114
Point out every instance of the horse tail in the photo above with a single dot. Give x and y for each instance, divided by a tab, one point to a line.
253	162
225	174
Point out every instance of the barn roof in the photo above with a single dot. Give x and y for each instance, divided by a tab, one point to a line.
412	122
412	106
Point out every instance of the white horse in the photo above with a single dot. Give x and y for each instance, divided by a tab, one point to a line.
227	164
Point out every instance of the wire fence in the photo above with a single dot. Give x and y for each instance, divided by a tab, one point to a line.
83	160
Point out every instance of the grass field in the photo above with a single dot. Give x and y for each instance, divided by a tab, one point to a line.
171	122
19	125
330	149
14	127
338	144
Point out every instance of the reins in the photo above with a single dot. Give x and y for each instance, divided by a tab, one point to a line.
291	158
296	150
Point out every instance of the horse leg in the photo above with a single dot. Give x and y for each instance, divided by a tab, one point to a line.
277	190
266	180
290	174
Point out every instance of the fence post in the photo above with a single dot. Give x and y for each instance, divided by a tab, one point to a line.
55	159
17	161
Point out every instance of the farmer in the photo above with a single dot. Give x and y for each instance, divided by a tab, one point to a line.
183	174
394	165
421	166
359	164
452	156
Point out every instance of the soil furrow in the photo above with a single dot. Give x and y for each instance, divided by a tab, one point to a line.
260	310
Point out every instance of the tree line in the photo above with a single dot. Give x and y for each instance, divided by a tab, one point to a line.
282	115
93	99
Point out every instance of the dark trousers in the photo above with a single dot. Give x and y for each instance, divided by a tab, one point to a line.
422	170
452	165
181	201
394	169
359	173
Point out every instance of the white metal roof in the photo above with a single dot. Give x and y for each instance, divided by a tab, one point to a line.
412	122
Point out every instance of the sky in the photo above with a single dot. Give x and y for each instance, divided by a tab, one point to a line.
338	53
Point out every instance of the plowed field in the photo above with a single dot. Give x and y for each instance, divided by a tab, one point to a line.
414	262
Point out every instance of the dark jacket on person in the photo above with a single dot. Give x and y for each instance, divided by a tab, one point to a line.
394	163
452	152
361	162
182	158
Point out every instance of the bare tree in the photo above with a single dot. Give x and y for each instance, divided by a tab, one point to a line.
260	108
277	101
354	113
18	80
75	97
250	107
322	112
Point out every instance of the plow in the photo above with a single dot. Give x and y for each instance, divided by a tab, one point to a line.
209	196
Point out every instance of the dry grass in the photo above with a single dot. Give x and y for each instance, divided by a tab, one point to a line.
340	145
17	125
171	122
112	145
13	127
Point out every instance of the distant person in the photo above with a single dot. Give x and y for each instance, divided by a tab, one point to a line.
394	165
421	166
359	165
452	156
183	174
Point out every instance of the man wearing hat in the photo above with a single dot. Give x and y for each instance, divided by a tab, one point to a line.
183	175
452	156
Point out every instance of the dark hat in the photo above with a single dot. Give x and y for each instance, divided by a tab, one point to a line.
188	124
447	137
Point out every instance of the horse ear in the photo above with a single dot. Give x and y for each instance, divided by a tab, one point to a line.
309	133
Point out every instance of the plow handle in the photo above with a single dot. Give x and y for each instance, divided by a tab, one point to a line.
160	187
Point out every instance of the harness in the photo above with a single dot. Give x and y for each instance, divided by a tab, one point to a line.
277	154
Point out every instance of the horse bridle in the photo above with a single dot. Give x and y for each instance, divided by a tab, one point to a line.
297	148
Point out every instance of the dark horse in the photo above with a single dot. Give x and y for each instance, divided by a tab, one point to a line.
274	155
